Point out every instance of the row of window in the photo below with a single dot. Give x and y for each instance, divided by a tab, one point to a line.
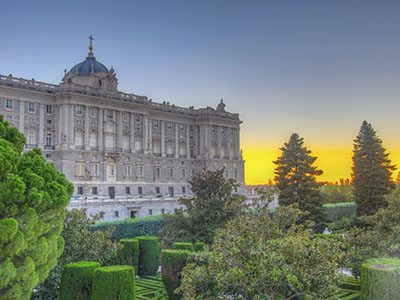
31	106
111	191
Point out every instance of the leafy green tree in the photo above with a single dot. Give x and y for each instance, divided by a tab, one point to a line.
372	171
261	257
213	204
80	245
32	202
295	177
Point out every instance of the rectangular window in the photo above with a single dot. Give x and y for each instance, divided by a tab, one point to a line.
163	211
157	190
48	155
95	170
78	110
183	173
49	109
128	170
79	169
116	214
94	190
31	107
169	125
111	192
48	140
150	212
171	191
49	121
138	118
171	172
9	104
80	190
140	190
156	124
157	173
183	190
140	171
110	114
181	127
128	190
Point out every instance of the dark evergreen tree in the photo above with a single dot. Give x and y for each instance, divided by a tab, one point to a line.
372	171
295	177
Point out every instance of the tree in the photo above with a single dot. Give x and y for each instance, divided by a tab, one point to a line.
213	204
32	202
261	257
371	172
295	177
80	245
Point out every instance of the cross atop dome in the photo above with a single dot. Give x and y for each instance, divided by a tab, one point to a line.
91	38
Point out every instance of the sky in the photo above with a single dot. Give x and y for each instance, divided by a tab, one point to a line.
318	68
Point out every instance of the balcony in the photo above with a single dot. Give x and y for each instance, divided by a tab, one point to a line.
170	155
182	156
30	146
49	147
157	154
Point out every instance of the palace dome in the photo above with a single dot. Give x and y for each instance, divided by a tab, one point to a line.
89	66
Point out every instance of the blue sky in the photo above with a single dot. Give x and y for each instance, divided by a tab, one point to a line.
318	68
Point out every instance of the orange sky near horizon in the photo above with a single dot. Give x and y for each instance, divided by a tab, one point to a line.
336	163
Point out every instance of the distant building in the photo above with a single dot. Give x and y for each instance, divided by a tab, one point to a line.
126	155
251	193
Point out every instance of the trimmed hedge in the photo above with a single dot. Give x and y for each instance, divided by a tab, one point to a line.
149	255
338	211
198	247
172	264
380	279
183	246
130	228
129	254
114	282
76	280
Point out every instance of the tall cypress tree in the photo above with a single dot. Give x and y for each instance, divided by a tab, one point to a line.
295	177
372	171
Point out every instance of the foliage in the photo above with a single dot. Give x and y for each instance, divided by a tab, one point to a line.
114	282
198	247
130	228
371	172
337	193
212	206
380	279
32	202
76	280
342	225
259	257
149	255
172	264
129	253
338	211
81	244
183	246
295	177
380	237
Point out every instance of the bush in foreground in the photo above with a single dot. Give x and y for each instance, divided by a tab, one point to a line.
149	255
183	246
172	264
129	253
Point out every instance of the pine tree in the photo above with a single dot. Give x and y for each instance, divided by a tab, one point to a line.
372	171
295	177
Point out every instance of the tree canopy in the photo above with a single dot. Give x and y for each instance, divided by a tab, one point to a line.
295	177
32	202
371	172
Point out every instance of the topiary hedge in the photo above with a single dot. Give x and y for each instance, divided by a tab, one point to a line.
380	279
172	264
338	211
149	255
198	247
76	280
129	254
130	228
183	246
114	282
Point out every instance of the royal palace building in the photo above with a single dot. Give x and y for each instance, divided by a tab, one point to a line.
126	155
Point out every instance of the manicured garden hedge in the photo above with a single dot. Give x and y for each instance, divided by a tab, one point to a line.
338	211
380	279
198	247
76	280
114	282
172	264
183	246
129	254
149	255
130	228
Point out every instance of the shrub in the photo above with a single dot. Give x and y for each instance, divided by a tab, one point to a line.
149	255
198	247
114	282
172	264
130	228
76	280
380	279
129	254
183	246
338	211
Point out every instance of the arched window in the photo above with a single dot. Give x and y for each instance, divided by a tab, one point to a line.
169	147
125	142
93	139
111	170
182	149
78	138
138	143
156	147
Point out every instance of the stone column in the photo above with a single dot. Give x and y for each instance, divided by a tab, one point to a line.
150	137
41	126
61	125
219	141
132	132
100	118
119	130
162	138
21	125
70	125
187	140
176	140
86	137
145	123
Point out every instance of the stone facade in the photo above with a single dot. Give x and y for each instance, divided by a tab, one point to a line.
126	155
